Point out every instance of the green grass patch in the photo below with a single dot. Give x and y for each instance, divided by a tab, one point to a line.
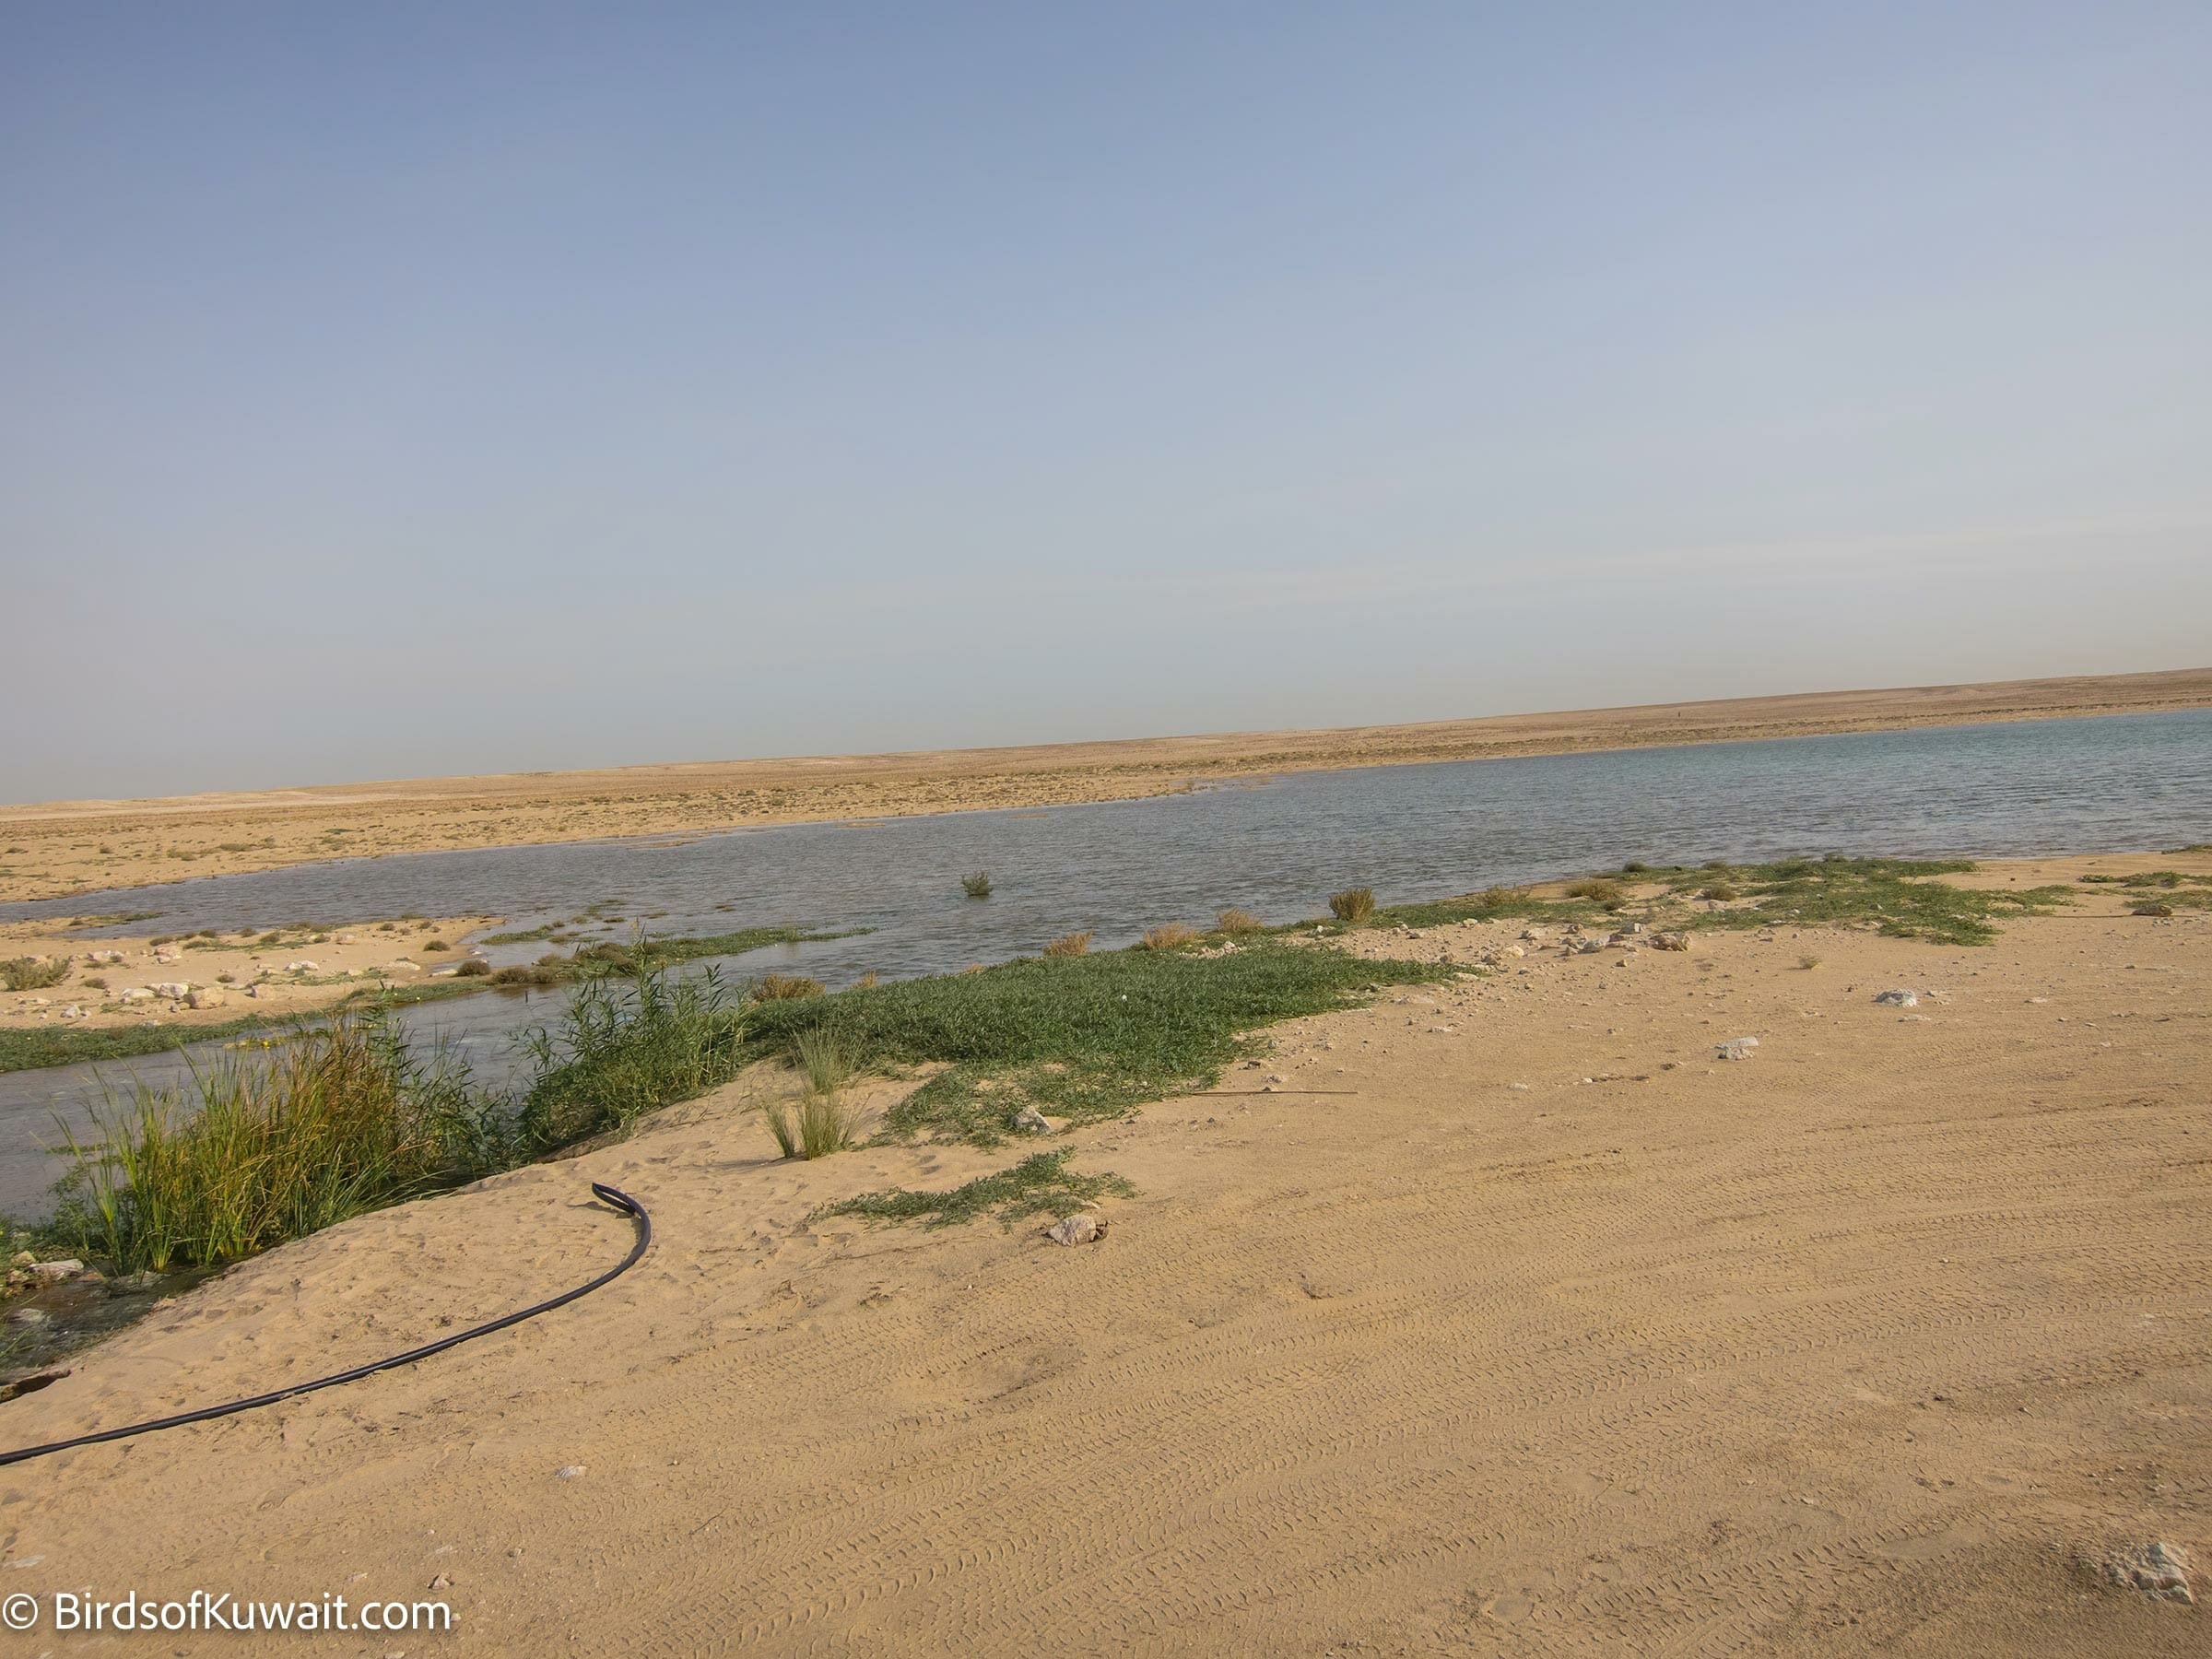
24	1051
1040	1186
1083	1037
1895	895
33	973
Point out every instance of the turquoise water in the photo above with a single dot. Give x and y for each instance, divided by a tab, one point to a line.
2122	784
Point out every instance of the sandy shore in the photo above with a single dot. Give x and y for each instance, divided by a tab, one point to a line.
153	978
80	846
1555	1335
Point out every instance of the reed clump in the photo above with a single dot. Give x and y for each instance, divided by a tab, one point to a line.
1167	935
977	886
629	1043
1353	906
1238	923
1069	945
333	1121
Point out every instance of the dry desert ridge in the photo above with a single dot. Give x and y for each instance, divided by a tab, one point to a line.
1500	1314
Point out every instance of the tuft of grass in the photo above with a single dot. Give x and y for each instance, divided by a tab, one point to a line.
785	987
1719	892
1037	1185
1084	1038
33	973
824	1056
1069	945
1635	866
977	886
474	968
629	1041
338	1119
1605	895
1238	923
1808	962
95	982
1167	935
1353	906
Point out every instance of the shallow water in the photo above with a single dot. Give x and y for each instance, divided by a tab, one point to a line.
2122	784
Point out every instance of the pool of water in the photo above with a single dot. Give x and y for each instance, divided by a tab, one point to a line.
2122	784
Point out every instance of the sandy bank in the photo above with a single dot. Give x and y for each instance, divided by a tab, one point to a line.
1556	1334
79	846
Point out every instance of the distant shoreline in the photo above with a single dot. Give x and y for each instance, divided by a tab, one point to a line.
57	848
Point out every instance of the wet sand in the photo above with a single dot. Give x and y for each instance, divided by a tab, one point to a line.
1556	1334
67	847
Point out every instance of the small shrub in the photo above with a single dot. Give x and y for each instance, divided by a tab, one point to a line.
1353	905
32	973
1719	892
1600	891
1808	962
1167	935
785	987
436	945
865	982
977	886
537	973
1238	922
2154	910
96	983
474	968
220	978
1069	945
1635	866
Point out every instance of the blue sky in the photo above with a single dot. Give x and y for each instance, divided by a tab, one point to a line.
409	389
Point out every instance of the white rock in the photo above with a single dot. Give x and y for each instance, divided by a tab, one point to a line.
135	993
345	938
1075	1230
1029	1121
570	1471
300	967
53	1273
1736	1048
207	996
1899	999
1670	941
176	990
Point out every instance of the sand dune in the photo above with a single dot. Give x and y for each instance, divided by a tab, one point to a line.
1861	1346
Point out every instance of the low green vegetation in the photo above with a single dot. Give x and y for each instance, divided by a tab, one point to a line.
1085	1037
1037	1185
1896	896
2163	890
25	1050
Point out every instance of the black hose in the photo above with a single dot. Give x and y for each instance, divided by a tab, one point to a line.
614	1195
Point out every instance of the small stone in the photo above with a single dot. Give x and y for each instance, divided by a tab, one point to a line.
53	1273
206	996
1897	999
1534	935
1076	1229
570	1472
1736	1048
29	1316
441	1583
2158	1569
300	966
1029	1121
345	938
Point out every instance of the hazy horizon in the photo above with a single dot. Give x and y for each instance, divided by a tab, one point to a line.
418	391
